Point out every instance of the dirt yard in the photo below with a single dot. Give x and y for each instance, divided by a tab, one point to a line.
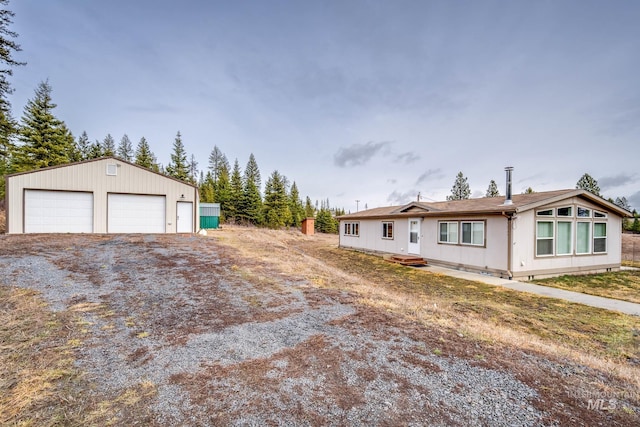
256	327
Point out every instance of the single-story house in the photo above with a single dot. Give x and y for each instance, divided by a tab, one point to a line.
526	236
105	195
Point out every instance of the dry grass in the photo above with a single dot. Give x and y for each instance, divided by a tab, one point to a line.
601	339
622	285
39	384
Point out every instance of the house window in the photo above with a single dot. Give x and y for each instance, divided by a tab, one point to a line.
112	170
599	237
584	212
546	212
473	233
583	237
352	229
564	239
448	232
387	230
597	214
544	238
565	211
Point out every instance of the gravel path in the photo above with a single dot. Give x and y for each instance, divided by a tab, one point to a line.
225	347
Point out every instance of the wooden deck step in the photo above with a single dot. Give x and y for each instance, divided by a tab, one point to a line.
407	260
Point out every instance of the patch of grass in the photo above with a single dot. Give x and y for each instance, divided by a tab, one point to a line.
35	361
39	383
482	307
622	285
635	264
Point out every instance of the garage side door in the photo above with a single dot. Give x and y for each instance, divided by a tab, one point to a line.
134	213
58	212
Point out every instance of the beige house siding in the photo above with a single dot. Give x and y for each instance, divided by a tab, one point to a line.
527	265
490	258
370	236
91	176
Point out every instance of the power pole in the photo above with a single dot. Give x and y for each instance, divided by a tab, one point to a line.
357	204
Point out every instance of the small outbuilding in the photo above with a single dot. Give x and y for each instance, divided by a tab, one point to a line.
105	195
209	216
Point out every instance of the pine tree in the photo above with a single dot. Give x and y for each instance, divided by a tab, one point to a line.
193	169
325	222
252	172
178	166
83	145
7	48
95	150
295	206
492	191
108	146
217	161
624	204
235	200
125	149
460	189
309	210
207	194
8	125
251	205
144	156
222	193
587	182
276	204
45	139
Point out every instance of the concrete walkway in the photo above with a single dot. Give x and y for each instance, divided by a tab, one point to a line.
591	300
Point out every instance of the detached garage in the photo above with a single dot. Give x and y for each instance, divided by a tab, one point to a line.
106	195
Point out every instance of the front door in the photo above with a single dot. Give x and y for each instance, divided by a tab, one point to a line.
414	236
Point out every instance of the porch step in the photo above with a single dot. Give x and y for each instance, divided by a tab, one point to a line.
407	260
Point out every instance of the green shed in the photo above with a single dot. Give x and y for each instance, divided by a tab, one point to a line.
209	215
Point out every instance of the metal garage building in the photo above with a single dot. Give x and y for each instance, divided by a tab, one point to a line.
105	195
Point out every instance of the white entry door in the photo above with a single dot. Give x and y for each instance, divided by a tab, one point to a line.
184	220
414	236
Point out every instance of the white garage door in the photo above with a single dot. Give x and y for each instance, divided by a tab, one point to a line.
134	213
58	212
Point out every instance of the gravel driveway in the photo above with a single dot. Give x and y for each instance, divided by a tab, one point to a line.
224	346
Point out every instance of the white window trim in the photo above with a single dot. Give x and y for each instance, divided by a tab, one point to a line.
603	215
539	213
453	224
552	238
352	229
587	209
565	216
393	230
605	237
589	240
471	243
112	169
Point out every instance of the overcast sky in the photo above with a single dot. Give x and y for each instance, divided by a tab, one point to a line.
354	100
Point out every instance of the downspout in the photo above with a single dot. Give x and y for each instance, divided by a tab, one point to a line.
509	244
